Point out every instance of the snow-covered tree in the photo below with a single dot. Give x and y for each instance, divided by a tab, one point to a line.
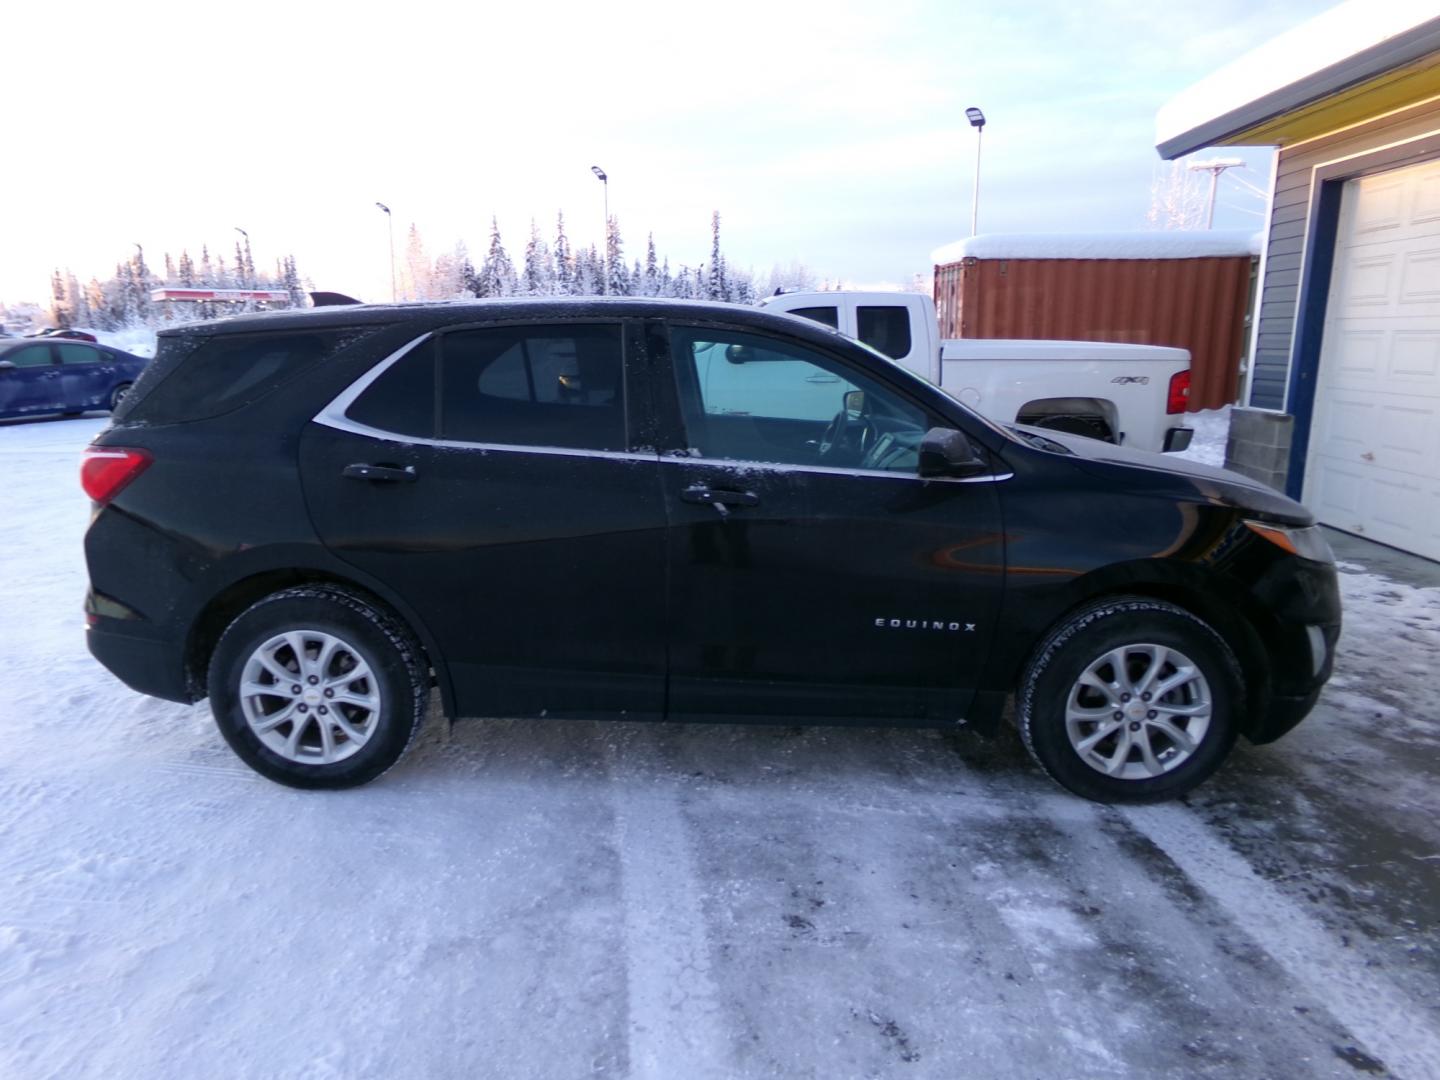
497	272
617	280
564	261
715	286
539	268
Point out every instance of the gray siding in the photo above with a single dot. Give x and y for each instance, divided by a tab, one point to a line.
1288	228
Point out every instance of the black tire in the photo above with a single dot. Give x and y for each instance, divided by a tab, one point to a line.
1092	427
118	395
370	635
1085	638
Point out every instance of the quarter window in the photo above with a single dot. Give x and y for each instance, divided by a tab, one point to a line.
402	399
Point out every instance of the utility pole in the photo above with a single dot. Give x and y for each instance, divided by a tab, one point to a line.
1215	166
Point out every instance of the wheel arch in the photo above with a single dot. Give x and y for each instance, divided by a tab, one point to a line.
228	602
1227	610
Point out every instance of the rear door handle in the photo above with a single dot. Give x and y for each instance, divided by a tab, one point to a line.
708	496
384	473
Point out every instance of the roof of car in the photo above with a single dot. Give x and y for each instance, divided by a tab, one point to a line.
458	311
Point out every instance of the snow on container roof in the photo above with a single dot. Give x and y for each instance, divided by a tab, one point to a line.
1346	45
1211	243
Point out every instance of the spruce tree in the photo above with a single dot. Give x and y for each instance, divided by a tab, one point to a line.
716	288
564	261
616	279
652	272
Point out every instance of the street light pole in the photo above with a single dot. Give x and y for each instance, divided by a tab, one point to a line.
1214	167
390	225
605	259
977	121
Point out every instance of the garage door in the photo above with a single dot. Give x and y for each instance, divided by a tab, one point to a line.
1373	466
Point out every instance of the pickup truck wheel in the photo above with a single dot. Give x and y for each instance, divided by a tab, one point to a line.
315	687
1093	427
1131	700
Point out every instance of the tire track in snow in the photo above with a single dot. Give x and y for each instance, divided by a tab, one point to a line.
674	1023
1390	1026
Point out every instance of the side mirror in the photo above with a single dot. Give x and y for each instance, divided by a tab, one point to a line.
855	401
6	365
947	452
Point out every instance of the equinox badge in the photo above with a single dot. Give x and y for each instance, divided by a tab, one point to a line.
924	624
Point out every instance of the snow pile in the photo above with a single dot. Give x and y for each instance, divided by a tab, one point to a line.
1196	244
1212	429
136	340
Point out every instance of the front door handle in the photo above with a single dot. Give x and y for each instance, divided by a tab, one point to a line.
708	496
384	473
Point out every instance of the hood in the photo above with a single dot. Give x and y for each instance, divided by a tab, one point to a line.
1173	475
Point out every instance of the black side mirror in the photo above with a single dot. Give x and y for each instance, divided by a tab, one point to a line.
947	452
6	365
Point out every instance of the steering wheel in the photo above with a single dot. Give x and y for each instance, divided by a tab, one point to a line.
847	438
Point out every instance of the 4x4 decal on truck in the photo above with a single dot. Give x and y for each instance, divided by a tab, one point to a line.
1126	380
924	624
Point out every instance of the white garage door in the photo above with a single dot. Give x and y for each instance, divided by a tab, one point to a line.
1373	466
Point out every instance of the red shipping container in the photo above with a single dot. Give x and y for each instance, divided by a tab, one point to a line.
1190	290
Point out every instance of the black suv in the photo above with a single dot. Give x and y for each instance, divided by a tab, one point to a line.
649	509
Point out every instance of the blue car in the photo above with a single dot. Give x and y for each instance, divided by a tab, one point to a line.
38	377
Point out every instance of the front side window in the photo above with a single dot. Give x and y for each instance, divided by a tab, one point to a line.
559	385
750	398
29	356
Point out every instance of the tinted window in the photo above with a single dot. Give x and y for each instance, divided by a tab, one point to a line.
78	354
751	398
886	329
534	386
402	399
196	378
828	315
29	356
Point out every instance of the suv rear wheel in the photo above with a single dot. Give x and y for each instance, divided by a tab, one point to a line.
1130	700
316	687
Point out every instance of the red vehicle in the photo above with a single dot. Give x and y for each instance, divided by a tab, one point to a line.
68	335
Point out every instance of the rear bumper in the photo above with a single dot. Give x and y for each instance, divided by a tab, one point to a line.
144	664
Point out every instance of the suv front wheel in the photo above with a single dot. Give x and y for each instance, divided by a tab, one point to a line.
316	687
1130	700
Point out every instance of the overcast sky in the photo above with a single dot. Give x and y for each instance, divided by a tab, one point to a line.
829	133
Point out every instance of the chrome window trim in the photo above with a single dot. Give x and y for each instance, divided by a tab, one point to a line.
827	470
333	416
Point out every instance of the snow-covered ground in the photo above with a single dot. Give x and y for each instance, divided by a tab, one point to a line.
535	899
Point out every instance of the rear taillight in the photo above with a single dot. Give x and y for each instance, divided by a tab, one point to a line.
1179	398
105	470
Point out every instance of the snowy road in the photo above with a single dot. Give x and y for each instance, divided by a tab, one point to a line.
567	899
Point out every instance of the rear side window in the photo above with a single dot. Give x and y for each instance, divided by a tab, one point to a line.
827	316
193	378
885	329
558	385
78	354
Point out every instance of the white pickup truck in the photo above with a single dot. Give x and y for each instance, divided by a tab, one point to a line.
1130	394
